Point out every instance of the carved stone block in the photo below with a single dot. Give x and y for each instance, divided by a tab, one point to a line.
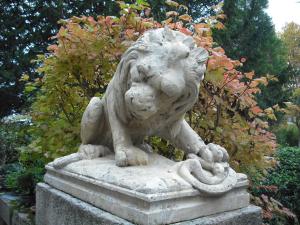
147	195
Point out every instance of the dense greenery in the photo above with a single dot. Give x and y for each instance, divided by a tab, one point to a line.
291	38
249	35
13	135
282	184
197	9
287	177
26	27
18	174
287	134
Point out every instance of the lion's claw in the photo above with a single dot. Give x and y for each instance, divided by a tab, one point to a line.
131	156
219	153
121	159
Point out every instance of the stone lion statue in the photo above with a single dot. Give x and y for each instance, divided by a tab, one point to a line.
156	83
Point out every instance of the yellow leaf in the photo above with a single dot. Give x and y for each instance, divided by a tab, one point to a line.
268	110
25	77
185	17
221	16
167	21
215	76
249	75
172	3
270	113
276	107
272	77
184	7
262	80
172	13
219	26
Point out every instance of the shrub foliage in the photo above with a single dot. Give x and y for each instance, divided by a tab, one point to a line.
81	63
282	184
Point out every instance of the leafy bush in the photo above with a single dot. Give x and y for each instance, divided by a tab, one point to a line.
12	136
287	177
23	180
288	135
85	57
19	172
282	184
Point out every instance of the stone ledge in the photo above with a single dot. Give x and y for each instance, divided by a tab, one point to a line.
6	209
147	195
56	207
250	215
9	216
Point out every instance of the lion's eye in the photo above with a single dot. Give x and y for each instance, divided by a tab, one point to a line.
148	76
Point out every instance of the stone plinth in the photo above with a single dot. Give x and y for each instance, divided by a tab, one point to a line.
8	214
56	207
152	194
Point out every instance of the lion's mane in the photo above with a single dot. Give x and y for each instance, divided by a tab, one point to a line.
148	44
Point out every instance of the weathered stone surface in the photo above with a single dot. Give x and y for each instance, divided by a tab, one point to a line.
159	176
2	222
250	215
6	209
149	194
55	207
21	219
10	216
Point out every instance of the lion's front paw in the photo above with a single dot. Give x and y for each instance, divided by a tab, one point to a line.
219	153
130	156
93	151
212	157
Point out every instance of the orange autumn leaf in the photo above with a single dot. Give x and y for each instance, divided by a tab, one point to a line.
186	31
219	26
250	75
256	110
185	17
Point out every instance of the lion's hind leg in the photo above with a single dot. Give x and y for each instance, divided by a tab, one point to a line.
93	123
94	135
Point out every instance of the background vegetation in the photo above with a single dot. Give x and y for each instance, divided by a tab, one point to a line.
238	108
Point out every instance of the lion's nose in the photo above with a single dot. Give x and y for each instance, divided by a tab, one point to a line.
172	84
178	51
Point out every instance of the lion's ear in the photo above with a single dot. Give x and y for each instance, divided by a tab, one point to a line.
168	34
200	54
189	42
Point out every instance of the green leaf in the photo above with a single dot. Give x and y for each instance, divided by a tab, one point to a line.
215	76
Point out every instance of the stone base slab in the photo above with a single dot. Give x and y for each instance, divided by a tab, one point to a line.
8	214
56	207
146	195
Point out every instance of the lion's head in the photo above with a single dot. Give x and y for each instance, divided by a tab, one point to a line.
160	74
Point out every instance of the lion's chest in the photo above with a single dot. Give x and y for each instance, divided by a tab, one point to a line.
151	126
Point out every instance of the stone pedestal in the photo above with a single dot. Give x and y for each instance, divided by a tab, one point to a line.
146	195
9	215
56	207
